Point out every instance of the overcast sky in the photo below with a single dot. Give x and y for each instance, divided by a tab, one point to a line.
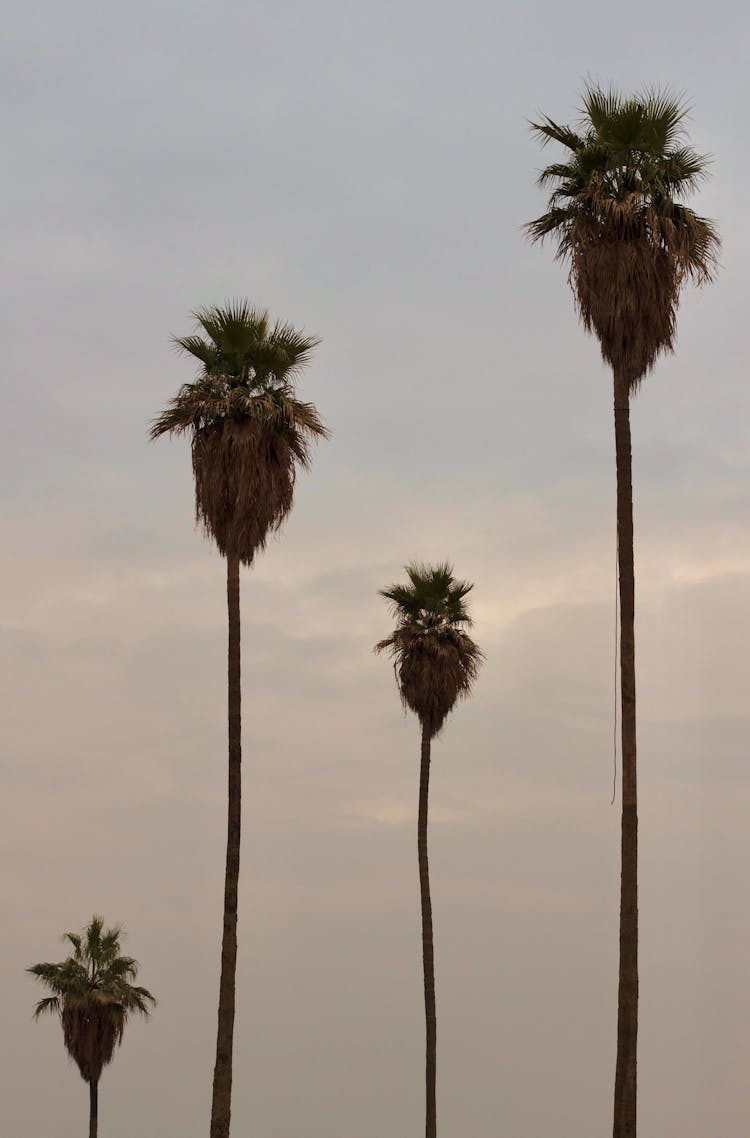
364	170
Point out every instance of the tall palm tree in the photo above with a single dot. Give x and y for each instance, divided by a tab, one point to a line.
249	435
435	662
93	995
630	245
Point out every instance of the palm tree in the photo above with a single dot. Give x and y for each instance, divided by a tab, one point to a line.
435	662
630	246
249	435
93	995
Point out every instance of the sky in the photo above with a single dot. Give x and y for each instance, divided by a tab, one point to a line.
364	171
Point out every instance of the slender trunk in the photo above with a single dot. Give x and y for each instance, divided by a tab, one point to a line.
221	1106
627	996
93	1109
428	960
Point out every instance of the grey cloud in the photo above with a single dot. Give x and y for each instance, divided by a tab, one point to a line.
365	170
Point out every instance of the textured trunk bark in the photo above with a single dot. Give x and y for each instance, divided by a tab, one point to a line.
93	1109
428	961
627	996
221	1106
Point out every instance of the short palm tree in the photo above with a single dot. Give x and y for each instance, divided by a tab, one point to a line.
93	995
630	244
249	434
436	663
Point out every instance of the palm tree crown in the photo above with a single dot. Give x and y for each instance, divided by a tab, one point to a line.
615	213
249	432
93	995
435	660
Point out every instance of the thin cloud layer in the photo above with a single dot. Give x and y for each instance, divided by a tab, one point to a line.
365	171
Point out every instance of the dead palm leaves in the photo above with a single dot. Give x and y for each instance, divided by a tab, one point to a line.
435	660
249	432
614	213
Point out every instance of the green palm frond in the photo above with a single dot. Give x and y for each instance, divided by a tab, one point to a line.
116	969
245	357
653	120
559	172
243	344
92	995
207	353
616	213
62	979
625	145
617	122
683	170
549	131
137	1000
557	222
233	327
248	430
435	660
293	348
432	598
48	1004
76	941
109	942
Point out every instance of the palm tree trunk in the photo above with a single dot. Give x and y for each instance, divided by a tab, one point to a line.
428	961
627	996
93	1109
221	1106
